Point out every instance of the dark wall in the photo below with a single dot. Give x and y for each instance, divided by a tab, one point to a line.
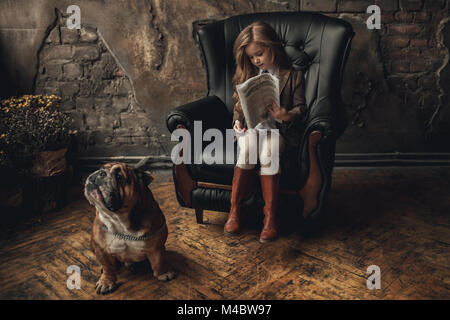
133	61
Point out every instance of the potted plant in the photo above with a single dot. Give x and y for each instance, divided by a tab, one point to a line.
34	137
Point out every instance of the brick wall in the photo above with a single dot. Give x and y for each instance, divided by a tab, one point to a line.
78	66
412	55
396	83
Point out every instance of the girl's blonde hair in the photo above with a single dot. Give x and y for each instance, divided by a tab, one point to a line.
264	35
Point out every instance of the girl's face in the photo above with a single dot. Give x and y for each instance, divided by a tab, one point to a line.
259	55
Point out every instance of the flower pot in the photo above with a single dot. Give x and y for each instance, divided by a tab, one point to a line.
46	189
43	194
49	163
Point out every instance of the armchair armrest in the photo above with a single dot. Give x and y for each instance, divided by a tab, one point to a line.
210	110
325	124
328	117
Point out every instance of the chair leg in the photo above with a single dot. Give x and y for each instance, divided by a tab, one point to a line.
199	215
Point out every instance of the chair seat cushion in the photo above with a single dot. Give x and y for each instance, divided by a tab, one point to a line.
222	173
213	171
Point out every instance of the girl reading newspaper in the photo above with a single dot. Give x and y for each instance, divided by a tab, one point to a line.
258	49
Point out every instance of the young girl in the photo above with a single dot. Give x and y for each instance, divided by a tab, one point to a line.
256	49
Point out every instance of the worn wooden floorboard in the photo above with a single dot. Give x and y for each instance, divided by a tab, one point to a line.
395	218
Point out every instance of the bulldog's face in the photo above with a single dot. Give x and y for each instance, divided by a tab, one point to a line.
116	186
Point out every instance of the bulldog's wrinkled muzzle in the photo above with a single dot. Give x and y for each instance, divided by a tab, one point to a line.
101	187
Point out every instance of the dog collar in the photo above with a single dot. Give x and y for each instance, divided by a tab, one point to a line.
129	237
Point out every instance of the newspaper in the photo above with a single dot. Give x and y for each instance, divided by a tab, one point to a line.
255	95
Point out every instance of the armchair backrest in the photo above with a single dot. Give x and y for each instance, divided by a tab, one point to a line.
315	43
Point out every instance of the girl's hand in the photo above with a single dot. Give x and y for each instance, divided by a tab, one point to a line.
238	127
278	112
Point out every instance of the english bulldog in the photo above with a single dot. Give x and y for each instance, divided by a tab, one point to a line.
129	225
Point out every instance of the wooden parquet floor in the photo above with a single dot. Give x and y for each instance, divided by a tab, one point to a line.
395	218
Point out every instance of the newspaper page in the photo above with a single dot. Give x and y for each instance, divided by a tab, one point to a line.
255	95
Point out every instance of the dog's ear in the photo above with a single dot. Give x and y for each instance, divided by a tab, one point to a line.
144	176
141	163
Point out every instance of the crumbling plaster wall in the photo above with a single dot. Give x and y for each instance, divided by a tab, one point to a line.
152	40
395	85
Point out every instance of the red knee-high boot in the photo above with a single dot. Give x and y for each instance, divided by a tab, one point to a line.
241	189
270	188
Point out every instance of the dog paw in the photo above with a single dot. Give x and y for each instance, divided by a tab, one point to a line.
105	285
167	276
